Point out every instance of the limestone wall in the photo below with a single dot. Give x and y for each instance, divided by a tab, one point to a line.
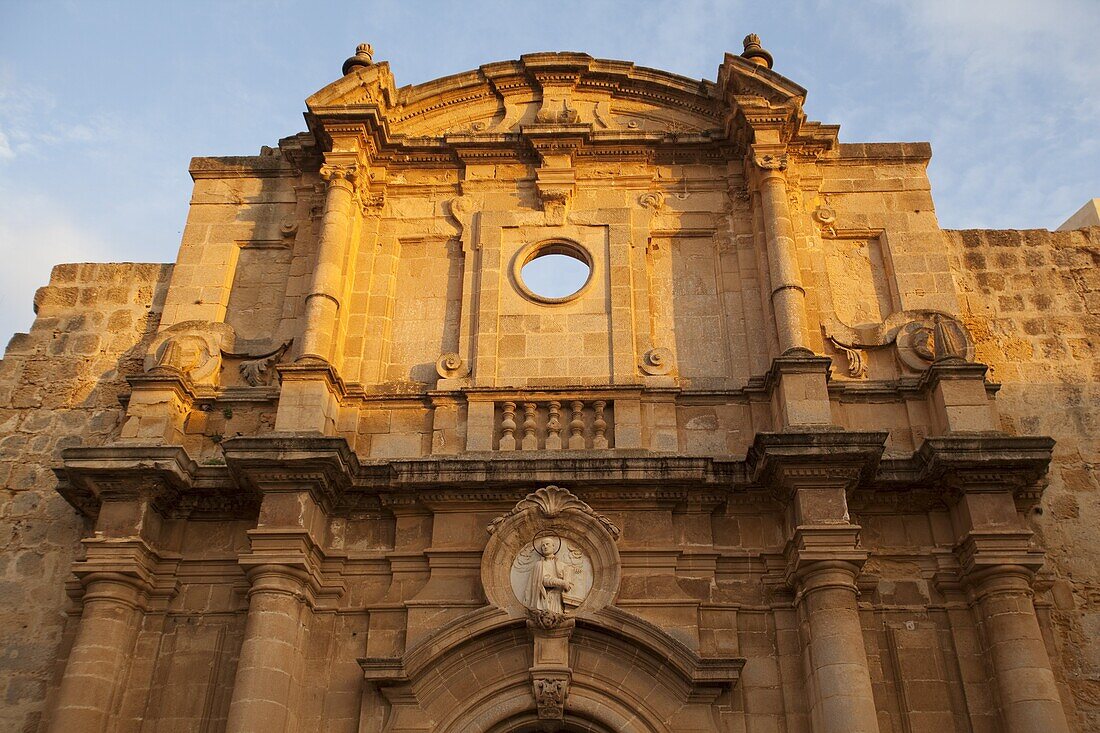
59	387
1032	301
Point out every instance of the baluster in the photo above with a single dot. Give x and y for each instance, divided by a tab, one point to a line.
553	427
530	441
600	426
508	425
576	426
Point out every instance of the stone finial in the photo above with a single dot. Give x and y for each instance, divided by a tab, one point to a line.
364	54
756	53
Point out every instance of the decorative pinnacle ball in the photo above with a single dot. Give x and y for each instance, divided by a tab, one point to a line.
754	52
364	54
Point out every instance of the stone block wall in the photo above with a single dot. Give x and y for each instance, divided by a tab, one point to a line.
1031	299
59	387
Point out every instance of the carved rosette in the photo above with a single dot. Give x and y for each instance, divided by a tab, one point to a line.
825	216
451	366
654	200
657	361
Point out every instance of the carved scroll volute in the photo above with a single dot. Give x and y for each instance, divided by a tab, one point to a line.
920	338
192	349
551	526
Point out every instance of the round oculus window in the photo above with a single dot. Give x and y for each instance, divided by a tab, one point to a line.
553	272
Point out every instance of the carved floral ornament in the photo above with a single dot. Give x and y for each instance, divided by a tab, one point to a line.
195	350
770	161
551	556
920	338
654	200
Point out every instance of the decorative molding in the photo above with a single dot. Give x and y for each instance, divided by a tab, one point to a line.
257	370
451	366
657	361
921	337
654	200
550	693
550	502
857	366
770	161
191	349
371	202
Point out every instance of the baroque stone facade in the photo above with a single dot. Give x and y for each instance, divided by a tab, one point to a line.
792	458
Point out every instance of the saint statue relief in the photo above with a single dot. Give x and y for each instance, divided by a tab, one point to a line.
551	577
551	574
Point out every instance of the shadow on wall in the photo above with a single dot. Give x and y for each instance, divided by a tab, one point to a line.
59	387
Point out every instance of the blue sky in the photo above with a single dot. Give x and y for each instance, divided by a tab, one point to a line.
102	104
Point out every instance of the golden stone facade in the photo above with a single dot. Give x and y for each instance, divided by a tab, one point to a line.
791	459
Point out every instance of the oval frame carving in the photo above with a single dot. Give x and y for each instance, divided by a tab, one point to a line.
556	245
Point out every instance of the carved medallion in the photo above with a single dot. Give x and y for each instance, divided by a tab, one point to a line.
550	557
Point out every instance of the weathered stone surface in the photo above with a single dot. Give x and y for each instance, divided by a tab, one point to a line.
791	439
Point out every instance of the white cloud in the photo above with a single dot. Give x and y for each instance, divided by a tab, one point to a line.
36	233
32	121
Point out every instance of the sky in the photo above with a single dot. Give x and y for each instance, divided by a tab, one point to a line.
102	104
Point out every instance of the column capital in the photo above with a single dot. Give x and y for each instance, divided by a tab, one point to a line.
322	467
127	488
786	462
823	574
990	552
1001	578
769	158
128	572
824	556
342	174
971	465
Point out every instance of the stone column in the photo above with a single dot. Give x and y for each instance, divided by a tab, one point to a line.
788	296
988	475
842	700
270	653
122	571
1029	699
812	474
297	480
326	286
100	655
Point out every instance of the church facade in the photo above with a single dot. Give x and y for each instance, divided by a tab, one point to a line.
789	457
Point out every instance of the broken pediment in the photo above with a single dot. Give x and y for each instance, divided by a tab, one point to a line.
544	90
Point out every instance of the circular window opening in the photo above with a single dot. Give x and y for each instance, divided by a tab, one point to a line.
555	272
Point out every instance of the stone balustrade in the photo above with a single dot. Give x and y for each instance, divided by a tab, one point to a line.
553	424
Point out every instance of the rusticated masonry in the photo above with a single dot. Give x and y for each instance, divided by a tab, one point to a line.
786	456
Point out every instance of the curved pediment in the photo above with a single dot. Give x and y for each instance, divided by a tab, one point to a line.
543	90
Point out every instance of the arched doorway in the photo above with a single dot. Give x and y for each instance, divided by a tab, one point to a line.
624	676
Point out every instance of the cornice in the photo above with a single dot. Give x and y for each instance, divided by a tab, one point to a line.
341	482
89	476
